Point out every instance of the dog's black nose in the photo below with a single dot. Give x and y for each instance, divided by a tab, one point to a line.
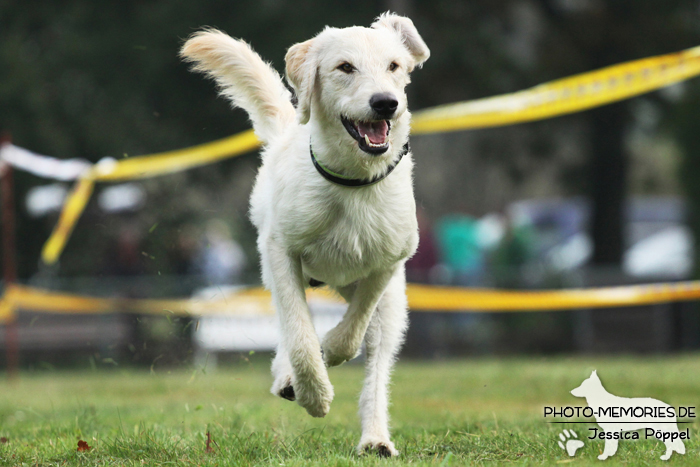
384	103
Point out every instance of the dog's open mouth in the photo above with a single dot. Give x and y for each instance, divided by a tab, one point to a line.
373	136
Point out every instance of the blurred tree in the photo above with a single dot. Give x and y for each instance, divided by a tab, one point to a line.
686	126
593	34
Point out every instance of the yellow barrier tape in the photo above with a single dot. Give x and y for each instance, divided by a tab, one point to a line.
563	96
421	298
7	312
251	301
35	299
140	167
77	200
432	298
555	98
179	160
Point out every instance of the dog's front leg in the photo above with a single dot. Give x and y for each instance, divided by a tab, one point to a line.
609	450
383	340
282	371
343	342
312	389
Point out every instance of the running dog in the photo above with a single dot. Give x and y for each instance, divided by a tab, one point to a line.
333	200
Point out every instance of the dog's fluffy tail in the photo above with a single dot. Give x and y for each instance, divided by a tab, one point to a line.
244	78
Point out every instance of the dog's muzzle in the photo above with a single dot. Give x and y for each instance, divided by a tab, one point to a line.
371	136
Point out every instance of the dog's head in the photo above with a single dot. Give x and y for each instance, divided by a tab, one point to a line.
590	386
352	80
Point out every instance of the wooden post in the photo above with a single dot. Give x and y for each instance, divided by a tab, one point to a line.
9	259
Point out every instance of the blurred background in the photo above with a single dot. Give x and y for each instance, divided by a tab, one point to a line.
603	197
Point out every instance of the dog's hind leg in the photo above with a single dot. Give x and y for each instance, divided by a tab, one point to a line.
673	445
343	342
312	389
383	340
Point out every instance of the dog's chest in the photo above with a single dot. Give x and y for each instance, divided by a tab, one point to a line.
349	239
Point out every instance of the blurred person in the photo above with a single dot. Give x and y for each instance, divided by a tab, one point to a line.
184	250
126	258
221	258
460	249
513	253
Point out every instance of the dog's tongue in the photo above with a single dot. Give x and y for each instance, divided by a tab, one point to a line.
375	131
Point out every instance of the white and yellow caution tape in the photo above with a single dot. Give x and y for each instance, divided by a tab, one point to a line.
43	166
135	168
563	96
421	298
555	98
176	161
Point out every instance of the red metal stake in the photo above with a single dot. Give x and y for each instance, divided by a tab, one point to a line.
9	260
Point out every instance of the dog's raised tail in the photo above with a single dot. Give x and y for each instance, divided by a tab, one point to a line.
244	78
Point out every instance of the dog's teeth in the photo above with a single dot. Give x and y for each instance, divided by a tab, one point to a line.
372	145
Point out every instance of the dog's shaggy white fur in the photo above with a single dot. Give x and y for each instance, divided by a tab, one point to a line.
352	114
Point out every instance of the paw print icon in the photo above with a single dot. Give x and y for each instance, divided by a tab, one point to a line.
569	442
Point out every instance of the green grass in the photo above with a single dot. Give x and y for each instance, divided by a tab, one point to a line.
459	412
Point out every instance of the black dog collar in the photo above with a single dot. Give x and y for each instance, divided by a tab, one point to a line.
355	182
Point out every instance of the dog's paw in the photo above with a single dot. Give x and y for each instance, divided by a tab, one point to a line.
288	393
336	350
316	397
283	387
380	448
572	444
331	358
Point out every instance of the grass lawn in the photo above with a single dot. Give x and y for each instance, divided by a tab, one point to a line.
457	412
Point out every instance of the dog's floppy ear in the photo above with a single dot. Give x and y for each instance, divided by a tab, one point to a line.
301	74
408	33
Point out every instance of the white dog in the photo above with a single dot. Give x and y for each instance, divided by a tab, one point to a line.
333	201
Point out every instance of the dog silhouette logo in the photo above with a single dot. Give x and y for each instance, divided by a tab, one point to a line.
621	418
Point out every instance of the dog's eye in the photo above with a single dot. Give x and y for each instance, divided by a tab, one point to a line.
345	67
394	66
